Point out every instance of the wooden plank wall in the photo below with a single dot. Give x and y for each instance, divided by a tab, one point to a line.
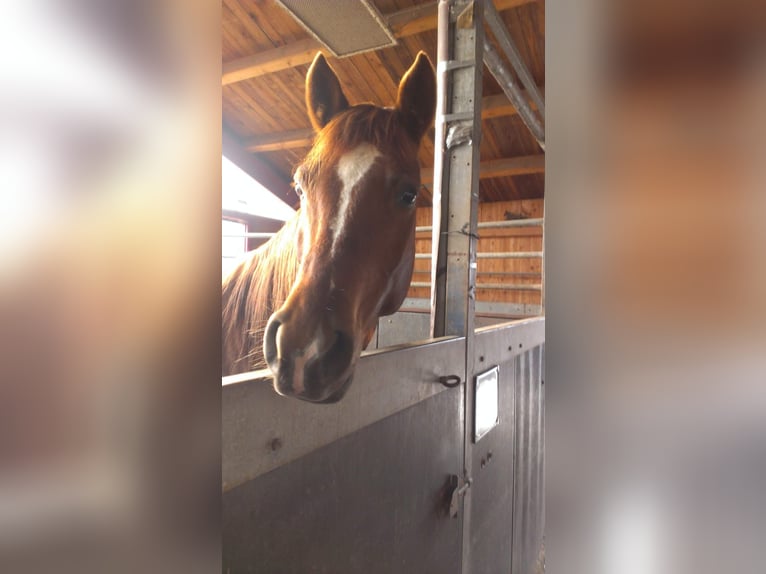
495	241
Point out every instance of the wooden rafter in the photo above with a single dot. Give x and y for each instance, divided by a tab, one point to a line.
491	107
281	140
403	23
500	167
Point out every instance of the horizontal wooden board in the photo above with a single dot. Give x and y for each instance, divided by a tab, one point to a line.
509	271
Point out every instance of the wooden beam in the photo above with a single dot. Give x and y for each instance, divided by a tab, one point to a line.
512	166
418	19
500	167
281	140
415	20
289	56
403	23
491	107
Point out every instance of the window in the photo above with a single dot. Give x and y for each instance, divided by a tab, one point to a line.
243	194
233	243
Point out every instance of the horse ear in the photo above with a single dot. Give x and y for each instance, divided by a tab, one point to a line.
324	96
417	96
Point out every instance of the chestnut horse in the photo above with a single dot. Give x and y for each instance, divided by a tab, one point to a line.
307	302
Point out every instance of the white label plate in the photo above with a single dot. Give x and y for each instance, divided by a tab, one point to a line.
485	415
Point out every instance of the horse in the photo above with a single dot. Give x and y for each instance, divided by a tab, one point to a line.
307	302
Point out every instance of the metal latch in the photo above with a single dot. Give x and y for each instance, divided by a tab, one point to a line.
457	492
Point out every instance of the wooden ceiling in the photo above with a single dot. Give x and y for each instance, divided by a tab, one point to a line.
266	55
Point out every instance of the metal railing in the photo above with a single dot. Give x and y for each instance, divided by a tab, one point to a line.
499	286
250	235
498	255
536	222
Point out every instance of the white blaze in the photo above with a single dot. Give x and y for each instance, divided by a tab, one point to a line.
352	168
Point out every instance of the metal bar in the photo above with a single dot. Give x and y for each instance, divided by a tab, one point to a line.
438	216
508	46
535	222
480	273
486	308
499	286
456	203
499	255
458	117
456	170
508	84
511	255
249	235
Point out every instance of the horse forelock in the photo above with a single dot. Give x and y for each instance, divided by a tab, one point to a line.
360	124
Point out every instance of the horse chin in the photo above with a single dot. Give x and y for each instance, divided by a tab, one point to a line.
317	386
323	395
336	395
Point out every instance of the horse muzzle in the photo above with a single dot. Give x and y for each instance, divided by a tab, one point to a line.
316	367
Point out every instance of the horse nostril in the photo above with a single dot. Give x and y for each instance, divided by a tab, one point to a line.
270	348
341	351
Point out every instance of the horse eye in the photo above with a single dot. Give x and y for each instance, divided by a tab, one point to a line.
409	195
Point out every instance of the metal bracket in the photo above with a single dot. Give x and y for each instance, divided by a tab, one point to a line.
457	492
450	65
457	117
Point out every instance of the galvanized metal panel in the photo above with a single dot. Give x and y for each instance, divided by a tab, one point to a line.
529	498
262	430
498	343
410	327
492	489
499	466
361	486
403	328
374	502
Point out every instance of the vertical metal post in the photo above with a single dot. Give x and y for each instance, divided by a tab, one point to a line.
456	166
456	199
542	266
508	84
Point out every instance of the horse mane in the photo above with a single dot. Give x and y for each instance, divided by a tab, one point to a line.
259	285
251	293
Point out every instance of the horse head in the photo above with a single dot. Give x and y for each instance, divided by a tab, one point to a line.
359	185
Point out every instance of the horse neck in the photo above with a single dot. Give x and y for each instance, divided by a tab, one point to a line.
253	291
280	265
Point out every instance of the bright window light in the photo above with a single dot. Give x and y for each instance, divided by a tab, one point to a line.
243	194
234	244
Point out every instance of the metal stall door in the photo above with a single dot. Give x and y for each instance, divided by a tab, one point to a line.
506	521
360	486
